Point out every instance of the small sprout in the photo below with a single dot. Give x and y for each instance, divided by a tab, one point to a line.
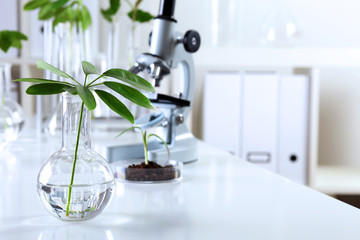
145	139
138	15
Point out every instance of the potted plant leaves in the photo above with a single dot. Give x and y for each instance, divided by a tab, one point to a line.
145	171
76	183
136	15
11	114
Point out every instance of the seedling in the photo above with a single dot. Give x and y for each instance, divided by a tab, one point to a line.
145	139
86	90
135	14
138	15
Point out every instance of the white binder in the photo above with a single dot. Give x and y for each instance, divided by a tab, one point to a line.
293	127
260	110
222	109
261	117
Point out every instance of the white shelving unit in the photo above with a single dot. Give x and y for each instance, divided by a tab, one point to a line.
334	180
330	179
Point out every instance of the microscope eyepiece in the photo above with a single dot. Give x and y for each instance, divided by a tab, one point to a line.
167	9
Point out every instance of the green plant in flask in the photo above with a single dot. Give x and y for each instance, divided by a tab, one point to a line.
76	183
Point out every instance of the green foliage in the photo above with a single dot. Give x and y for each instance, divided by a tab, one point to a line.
47	89
61	11
130	93
112	10
86	91
130	78
31	5
11	39
87	97
114	104
85	17
136	14
146	138
140	16
40	80
45	66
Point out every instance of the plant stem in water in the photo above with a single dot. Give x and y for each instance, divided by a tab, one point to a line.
75	158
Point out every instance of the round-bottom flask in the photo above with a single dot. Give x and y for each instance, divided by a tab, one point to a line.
9	130
93	179
17	112
11	114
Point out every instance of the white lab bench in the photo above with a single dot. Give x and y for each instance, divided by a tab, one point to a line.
220	197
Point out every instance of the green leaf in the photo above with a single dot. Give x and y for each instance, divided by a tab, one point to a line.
47	89
85	18
130	128
16	43
18	35
129	78
114	104
46	12
10	39
5	41
72	90
106	15
16	38
35	4
88	68
112	10
43	65
141	16
62	15
59	3
130	93
77	16
41	80
87	97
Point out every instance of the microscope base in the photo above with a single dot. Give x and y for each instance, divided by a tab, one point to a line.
185	150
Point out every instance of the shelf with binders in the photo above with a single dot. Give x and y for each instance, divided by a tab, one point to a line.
271	118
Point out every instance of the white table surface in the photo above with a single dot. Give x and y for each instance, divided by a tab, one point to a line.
220	197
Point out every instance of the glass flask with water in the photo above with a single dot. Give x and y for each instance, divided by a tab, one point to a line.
93	179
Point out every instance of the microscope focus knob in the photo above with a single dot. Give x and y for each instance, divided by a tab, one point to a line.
191	41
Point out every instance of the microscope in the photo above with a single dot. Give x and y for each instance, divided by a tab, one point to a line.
168	50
